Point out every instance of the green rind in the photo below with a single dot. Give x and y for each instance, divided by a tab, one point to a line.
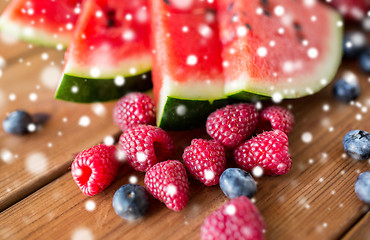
249	96
195	115
100	90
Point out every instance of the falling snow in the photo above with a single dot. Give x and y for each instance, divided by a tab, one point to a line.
279	10
90	205
209	175
306	137
82	233
84	121
181	110
141	157
133	179
119	81
108	140
277	97
128	35
171	190
241	31
6	156
36	163
262	51
74	89
94	72
99	109
31	127
191	60
121	155
312	53
230	209
257	171
50	75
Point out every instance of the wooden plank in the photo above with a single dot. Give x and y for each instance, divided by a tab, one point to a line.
30	161
316	200
361	231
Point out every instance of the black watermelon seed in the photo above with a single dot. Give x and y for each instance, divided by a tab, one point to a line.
230	7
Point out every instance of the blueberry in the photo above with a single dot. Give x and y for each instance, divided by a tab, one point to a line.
346	90
17	122
131	201
354	43
235	182
356	144
364	60
362	187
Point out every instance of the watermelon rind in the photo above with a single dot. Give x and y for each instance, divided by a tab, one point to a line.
88	90
182	114
314	81
32	35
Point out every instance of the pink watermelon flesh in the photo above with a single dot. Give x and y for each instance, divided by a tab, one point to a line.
281	48
43	22
111	41
187	62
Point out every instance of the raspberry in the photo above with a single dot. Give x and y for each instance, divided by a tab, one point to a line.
268	150
232	124
146	145
168	182
95	168
133	109
276	118
205	160
237	219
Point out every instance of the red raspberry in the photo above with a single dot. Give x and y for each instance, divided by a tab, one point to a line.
205	160
232	124
95	168
146	145
276	118
268	150
237	219
168	182
133	109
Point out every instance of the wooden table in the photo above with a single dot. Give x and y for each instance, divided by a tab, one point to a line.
39	199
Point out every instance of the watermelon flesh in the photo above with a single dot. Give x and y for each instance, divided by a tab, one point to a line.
44	22
278	48
187	66
110	52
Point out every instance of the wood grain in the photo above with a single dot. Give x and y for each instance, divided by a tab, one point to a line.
361	230
57	141
316	200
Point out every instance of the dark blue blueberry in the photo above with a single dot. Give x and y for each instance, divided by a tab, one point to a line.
362	187
364	60
356	144
346	90
131	201
354	43
235	182
17	122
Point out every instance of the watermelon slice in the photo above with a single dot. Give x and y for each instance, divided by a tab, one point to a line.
110	52
278	48
187	66
44	22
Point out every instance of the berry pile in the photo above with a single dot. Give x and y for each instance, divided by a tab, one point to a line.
149	149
